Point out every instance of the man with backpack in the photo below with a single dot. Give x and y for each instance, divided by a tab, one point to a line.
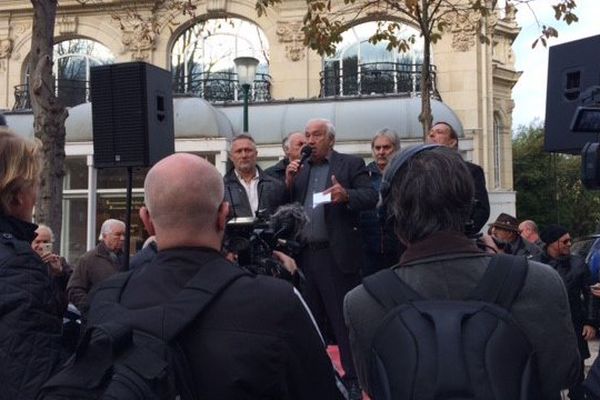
451	321
254	338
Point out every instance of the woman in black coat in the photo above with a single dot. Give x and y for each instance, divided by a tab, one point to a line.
30	329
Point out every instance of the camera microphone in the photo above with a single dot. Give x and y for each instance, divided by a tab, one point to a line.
288	221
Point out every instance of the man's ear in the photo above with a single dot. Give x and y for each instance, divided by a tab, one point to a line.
222	215
147	220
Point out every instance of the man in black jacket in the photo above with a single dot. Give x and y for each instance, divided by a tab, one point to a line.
577	278
333	188
256	340
443	133
247	188
292	147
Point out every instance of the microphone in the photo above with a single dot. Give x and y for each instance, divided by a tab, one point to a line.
288	221
306	153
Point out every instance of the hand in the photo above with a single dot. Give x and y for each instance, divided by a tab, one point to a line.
589	332
288	262
290	172
54	262
595	290
338	193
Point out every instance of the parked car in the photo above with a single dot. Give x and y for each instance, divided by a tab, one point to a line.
588	247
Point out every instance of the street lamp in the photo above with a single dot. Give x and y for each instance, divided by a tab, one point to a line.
246	72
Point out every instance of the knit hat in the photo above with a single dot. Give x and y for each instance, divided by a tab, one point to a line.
552	233
506	222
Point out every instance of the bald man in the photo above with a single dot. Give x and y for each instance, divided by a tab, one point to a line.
256	340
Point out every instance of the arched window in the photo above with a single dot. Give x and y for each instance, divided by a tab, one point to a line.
360	67
202	58
73	59
72	62
498	143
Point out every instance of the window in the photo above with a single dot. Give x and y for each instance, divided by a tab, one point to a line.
498	143
361	67
202	58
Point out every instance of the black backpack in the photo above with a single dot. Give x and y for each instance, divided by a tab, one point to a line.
452	349
134	354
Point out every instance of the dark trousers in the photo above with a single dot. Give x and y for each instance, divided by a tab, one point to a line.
324	293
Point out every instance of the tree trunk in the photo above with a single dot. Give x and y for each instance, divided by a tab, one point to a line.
425	117
49	116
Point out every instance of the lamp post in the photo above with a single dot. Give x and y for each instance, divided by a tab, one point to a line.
246	72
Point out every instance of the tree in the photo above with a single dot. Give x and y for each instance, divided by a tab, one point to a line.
49	115
549	188
326	20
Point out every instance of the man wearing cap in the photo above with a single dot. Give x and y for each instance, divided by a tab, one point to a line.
577	278
506	235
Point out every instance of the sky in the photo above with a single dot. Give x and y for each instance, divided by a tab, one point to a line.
529	93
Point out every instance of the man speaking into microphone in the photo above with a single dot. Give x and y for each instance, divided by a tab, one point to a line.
333	188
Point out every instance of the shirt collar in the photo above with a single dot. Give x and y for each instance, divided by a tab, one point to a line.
255	177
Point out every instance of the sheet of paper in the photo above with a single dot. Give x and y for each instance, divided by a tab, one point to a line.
321	198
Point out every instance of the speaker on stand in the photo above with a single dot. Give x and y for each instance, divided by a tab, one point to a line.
132	120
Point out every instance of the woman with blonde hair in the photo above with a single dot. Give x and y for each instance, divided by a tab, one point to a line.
30	329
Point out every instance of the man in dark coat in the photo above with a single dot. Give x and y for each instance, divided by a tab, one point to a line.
443	133
442	263
98	264
247	188
256	340
577	278
292	147
506	235
333	188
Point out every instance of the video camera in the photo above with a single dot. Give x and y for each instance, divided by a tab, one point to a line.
254	239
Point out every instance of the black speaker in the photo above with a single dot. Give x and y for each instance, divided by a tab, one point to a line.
132	114
573	68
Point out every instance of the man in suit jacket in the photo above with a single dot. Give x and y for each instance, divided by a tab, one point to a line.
333	188
443	133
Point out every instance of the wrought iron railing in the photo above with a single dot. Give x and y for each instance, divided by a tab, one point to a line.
222	86
70	91
374	78
219	86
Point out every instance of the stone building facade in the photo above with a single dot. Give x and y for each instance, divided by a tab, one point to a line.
473	81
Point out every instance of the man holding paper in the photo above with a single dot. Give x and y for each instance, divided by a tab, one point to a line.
333	188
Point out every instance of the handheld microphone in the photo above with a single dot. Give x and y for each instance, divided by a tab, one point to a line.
306	153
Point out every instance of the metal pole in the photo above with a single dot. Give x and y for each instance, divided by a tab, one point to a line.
246	89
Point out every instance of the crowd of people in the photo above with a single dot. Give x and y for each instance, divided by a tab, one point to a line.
417	211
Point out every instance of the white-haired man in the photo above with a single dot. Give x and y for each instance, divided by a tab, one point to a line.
97	264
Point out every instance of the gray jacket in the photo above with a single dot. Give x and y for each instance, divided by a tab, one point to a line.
449	266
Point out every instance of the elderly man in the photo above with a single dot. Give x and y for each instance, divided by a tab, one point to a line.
333	188
58	268
380	245
529	231
247	188
577	278
442	263
506	235
97	264
444	134
256	340
292	147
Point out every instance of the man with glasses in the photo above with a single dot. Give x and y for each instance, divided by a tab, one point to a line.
577	278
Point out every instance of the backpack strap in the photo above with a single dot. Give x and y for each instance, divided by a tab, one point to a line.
389	290
502	281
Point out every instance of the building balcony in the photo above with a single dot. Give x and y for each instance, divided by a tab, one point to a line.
214	87
374	78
